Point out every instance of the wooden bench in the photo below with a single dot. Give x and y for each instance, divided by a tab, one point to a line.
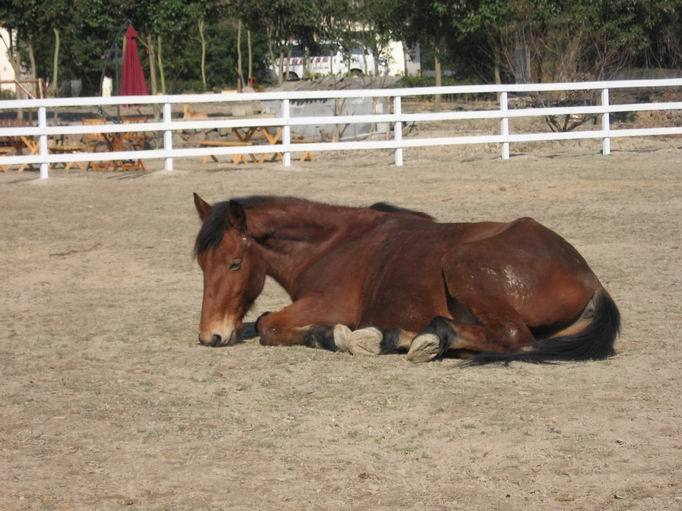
3	152
304	155
69	149
133	141
19	143
236	158
95	142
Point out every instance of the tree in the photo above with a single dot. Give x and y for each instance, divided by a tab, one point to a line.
24	19
199	11
284	21
431	23
565	40
375	19
193	44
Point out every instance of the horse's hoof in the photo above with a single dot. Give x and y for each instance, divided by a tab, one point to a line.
366	341
342	337
424	347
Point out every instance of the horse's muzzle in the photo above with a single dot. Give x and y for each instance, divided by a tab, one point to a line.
217	340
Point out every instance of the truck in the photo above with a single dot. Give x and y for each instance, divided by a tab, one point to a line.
328	60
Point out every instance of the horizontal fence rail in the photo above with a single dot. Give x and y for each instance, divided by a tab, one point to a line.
167	126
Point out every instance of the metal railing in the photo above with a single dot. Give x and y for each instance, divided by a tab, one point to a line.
285	121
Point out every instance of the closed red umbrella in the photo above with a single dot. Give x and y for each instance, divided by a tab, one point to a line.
132	75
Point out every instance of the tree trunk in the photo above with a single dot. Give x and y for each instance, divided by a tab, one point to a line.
280	74
202	37
55	62
288	61
14	58
271	53
250	50
15	61
496	68
34	73
522	64
438	71
240	73
151	56
376	59
32	59
159	56
306	63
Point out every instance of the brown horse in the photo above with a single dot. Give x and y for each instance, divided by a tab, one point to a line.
384	279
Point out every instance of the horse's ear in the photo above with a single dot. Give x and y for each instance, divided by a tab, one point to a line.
237	216
203	207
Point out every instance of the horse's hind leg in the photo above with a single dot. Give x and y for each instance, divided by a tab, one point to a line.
500	329
481	287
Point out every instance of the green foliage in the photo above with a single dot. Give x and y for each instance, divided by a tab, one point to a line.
92	35
566	39
572	39
429	81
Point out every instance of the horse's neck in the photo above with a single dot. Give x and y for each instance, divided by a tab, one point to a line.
289	242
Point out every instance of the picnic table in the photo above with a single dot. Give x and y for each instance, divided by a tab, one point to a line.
114	142
90	142
236	137
19	144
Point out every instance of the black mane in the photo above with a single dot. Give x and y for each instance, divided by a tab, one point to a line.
390	208
216	223
213	229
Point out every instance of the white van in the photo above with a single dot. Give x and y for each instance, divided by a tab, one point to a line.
329	61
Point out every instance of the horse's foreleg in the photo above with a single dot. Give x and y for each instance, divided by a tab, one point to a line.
298	325
372	341
285	328
311	323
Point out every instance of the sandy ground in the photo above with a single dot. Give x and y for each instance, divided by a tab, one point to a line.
108	402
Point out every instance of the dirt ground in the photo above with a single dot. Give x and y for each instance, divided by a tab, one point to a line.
108	402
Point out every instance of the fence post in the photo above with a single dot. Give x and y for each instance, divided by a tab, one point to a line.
286	134
398	132
42	141
504	124
167	135
605	123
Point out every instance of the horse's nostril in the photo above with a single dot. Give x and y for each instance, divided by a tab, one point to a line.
216	340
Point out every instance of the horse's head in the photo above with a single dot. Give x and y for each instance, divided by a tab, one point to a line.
233	272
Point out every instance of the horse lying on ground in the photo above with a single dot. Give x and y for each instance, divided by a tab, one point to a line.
384	280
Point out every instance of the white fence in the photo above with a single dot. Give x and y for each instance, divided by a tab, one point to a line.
397	143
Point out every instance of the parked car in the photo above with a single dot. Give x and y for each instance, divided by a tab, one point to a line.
330	61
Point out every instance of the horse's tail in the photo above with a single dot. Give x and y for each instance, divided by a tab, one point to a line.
594	342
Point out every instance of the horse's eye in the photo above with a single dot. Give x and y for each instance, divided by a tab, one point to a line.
235	265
